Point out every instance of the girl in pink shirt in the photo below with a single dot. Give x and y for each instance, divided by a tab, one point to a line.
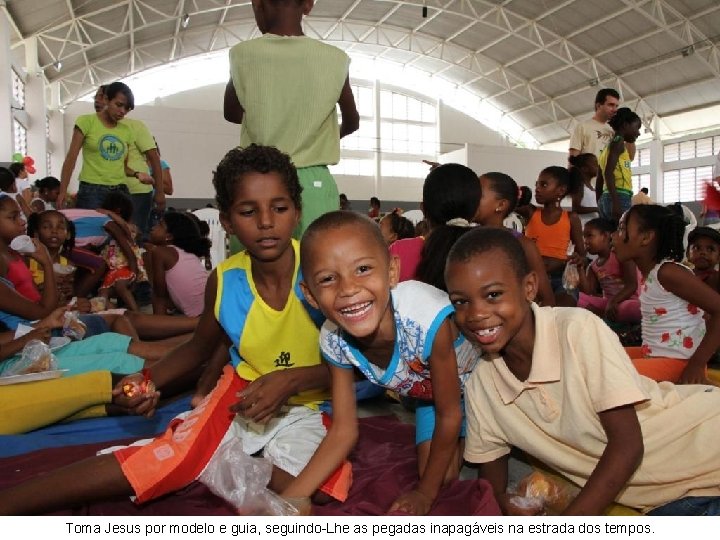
178	273
617	283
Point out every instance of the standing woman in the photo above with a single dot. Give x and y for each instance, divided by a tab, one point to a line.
104	142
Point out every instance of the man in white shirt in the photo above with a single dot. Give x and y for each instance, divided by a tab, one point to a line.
592	135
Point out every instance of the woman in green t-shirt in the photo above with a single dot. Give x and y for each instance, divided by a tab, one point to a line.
104	142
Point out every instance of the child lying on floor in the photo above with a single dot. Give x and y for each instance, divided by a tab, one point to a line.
557	384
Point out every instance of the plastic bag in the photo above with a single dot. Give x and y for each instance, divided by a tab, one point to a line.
241	480
539	493
36	357
73	327
570	277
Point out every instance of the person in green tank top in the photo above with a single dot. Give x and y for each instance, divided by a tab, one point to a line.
283	90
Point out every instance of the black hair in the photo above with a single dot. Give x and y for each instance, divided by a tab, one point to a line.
186	233
525	196
505	187
668	225
16	168
7	179
335	220
113	89
602	95
622	117
33	226
343	197
572	182
451	191
118	202
47	183
581	159
645	190
253	159
602	225
483	239
401	226
704	232
375	201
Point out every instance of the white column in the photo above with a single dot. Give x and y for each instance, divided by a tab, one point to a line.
6	138
36	110
656	164
57	142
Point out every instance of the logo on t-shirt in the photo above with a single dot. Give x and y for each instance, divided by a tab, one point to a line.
283	360
111	148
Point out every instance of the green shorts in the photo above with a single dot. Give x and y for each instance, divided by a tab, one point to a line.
320	195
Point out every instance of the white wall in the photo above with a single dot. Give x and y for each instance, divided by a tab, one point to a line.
457	129
520	163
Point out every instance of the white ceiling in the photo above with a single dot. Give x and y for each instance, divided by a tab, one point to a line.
539	61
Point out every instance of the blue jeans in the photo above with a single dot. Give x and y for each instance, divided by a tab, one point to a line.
142	205
605	204
689	506
92	196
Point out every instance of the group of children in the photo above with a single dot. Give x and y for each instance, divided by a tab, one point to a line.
491	369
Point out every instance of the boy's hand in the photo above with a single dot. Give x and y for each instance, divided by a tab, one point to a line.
43	334
145	178
263	397
412	502
139	405
56	319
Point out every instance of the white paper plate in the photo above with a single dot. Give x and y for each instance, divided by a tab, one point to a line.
58	342
30	377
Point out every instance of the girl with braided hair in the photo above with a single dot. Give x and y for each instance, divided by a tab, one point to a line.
677	342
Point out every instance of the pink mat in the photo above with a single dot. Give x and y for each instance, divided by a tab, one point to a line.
384	466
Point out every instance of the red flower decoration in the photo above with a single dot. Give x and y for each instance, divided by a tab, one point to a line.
679	332
688	342
645	350
692	309
660	311
665	337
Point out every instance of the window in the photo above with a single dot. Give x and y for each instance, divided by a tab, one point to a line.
20	138
682	185
642	158
640	181
18	89
408	134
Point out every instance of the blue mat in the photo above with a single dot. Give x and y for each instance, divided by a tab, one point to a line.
93	430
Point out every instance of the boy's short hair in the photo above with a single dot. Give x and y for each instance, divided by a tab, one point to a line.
704	232
335	220
253	159
483	239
